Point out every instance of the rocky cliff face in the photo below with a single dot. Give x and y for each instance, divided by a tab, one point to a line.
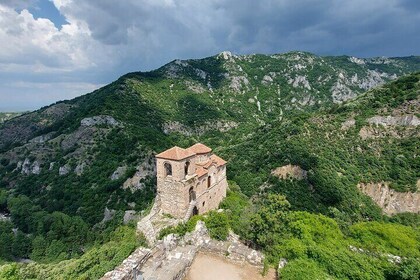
391	201
290	172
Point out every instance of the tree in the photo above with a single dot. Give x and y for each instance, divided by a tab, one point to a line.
268	223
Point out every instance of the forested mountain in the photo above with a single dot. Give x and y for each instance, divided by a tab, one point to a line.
64	165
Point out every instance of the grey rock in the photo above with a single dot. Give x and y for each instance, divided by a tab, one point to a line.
108	214
36	168
120	171
26	167
170	241
80	168
99	120
407	120
282	263
64	170
129	215
41	139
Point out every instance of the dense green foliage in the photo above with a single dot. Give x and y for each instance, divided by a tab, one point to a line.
92	265
316	247
217	224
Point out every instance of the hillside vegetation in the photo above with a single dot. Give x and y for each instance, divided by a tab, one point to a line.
62	166
4	116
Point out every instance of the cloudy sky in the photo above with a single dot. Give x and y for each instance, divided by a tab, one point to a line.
58	49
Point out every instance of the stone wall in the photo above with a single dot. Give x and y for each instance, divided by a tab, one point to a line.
171	258
126	270
211	197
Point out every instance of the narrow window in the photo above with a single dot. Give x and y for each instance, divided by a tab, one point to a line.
208	182
186	167
168	169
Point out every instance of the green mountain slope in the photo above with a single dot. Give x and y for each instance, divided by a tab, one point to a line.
74	160
4	116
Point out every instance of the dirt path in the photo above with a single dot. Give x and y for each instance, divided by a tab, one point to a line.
210	267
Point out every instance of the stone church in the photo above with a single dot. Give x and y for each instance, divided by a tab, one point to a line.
190	181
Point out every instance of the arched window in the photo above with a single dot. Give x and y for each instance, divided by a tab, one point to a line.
208	182
186	167
192	194
168	169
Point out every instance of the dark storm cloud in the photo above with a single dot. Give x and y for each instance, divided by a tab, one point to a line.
175	28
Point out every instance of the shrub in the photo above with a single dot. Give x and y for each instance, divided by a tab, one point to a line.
218	225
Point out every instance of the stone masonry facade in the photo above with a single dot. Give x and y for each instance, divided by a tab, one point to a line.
190	181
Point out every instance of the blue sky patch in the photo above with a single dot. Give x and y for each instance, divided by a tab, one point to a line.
46	9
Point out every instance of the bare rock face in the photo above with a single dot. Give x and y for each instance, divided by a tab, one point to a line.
145	169
41	139
394	126
108	214
348	124
36	167
174	126
64	170
99	120
27	167
80	168
391	201
407	120
290	172
129	215
118	173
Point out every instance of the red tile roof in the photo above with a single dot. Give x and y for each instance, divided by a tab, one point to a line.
201	171
218	160
199	149
176	153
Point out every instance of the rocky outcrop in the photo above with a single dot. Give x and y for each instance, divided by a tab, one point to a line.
394	126
348	124
4	217
99	120
81	136
300	81
290	172
391	201
129	215
41	139
407	120
146	169
174	126
80	168
27	167
108	214
64	170
118	173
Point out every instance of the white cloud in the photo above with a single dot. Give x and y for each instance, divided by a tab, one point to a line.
33	42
